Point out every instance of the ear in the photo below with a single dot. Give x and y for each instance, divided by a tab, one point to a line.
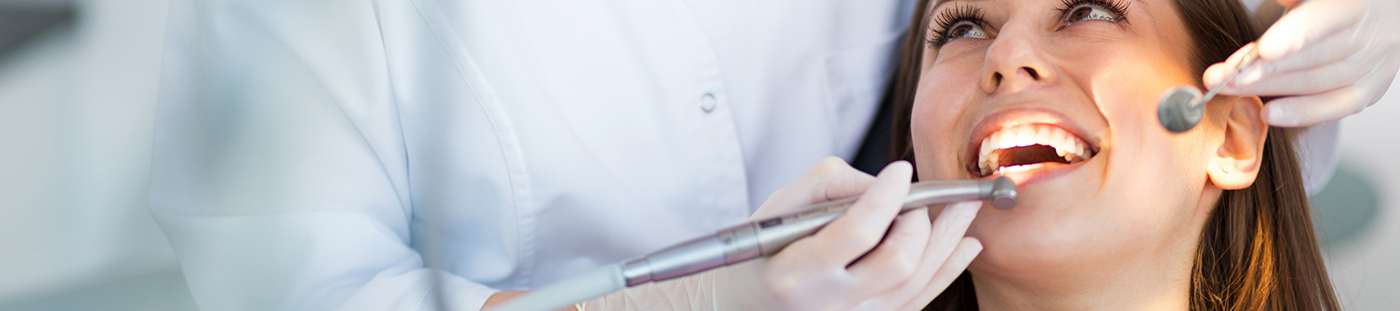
1238	158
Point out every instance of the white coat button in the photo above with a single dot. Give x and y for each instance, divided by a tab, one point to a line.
707	103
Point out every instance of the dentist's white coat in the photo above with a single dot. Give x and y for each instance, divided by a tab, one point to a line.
301	144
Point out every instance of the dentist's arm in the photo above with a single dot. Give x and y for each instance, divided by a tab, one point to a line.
276	191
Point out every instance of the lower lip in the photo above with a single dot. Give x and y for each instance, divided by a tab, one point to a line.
1046	171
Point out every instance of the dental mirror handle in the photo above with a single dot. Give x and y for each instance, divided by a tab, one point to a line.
765	237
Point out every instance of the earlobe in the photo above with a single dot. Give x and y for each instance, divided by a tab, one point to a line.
1236	162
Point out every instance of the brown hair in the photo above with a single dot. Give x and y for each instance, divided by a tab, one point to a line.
1258	250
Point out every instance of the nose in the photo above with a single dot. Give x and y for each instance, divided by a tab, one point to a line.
1015	61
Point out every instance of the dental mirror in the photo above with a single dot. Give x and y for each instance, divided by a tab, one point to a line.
1181	107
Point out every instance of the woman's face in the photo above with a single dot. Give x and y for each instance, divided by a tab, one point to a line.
1061	97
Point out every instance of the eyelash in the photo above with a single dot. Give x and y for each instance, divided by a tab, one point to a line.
938	36
1117	7
938	31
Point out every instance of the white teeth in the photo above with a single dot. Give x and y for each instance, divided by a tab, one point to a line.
1079	148
1066	145
1042	133
1005	139
1019	168
1025	137
986	146
1060	138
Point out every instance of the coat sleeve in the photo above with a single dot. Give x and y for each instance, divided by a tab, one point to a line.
279	172
1318	153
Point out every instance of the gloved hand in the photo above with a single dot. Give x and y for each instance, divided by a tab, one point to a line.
1332	58
844	266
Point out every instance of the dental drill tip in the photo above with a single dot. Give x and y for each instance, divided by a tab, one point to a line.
1004	193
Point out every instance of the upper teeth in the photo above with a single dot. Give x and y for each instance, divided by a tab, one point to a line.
1066	145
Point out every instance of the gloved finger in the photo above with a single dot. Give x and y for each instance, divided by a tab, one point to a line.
1326	107
865	222
1327	50
949	231
1307	23
1338	53
953	220
1334	104
896	259
1313	109
951	225
830	179
1217	72
1255	82
968	248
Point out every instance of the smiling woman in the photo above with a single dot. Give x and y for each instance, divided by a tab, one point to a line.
1117	212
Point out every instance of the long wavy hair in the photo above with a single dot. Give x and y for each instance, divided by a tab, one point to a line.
1258	250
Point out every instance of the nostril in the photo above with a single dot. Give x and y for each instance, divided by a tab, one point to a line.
1031	71
996	78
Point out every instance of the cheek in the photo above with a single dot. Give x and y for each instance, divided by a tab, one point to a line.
1145	156
1154	177
938	113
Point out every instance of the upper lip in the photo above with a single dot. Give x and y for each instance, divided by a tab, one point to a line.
1018	116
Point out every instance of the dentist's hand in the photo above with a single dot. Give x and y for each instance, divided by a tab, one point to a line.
1331	58
859	261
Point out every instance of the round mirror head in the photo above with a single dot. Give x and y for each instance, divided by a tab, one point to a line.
1178	110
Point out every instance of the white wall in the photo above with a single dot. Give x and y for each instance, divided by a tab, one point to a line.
75	129
1366	271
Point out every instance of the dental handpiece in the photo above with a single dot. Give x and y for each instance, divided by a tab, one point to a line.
743	243
765	237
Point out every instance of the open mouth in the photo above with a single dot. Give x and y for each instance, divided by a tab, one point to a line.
1029	147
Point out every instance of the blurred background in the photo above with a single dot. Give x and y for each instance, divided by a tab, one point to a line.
78	82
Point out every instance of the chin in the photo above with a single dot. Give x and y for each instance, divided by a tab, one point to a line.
1028	244
1059	228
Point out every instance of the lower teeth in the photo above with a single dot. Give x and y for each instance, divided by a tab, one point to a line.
1019	168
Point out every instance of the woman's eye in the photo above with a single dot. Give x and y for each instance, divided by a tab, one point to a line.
965	29
1085	12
